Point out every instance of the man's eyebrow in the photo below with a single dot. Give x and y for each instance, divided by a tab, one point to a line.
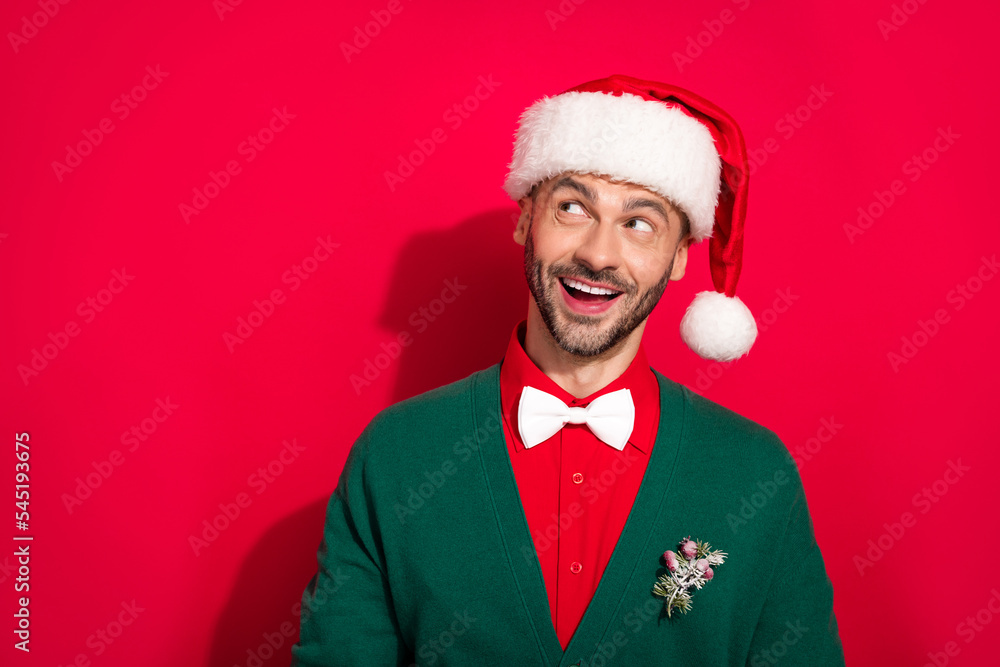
570	182
630	204
633	203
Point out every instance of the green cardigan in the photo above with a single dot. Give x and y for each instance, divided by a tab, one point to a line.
426	554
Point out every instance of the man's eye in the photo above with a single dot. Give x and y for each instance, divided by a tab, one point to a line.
572	207
639	221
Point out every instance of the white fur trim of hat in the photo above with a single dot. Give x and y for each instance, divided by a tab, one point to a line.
623	137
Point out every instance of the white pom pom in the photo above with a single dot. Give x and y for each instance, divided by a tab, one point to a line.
718	327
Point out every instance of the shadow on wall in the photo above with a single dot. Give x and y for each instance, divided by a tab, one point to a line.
270	582
457	294
454	299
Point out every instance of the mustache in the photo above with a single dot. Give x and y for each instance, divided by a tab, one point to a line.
579	271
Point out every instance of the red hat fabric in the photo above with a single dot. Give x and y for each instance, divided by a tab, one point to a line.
674	143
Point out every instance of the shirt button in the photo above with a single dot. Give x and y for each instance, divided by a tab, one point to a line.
575	568
577	478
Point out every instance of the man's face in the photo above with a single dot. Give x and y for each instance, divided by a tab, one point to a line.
582	232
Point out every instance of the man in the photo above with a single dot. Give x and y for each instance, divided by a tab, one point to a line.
576	507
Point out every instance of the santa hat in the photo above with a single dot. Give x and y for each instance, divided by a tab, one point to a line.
672	142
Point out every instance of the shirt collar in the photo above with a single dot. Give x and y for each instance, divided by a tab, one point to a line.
518	370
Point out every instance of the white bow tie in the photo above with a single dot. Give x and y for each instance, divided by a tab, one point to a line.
610	417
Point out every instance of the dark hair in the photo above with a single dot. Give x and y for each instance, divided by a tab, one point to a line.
685	224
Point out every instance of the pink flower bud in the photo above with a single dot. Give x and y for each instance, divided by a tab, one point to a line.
709	574
702	564
689	549
671	560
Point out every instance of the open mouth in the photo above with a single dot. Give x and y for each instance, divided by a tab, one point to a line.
587	293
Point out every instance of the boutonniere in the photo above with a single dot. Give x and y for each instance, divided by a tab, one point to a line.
692	566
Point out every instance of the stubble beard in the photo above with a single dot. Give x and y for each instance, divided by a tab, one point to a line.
586	335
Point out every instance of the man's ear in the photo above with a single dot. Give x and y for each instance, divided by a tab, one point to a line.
521	229
681	257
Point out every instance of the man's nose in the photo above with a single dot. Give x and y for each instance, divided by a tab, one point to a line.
600	247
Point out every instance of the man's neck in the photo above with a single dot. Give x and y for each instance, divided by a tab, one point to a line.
580	376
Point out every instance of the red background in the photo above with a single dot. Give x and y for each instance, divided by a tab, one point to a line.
853	296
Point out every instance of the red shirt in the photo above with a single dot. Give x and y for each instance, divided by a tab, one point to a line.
576	490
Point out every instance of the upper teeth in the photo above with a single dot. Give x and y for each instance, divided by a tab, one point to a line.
576	284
